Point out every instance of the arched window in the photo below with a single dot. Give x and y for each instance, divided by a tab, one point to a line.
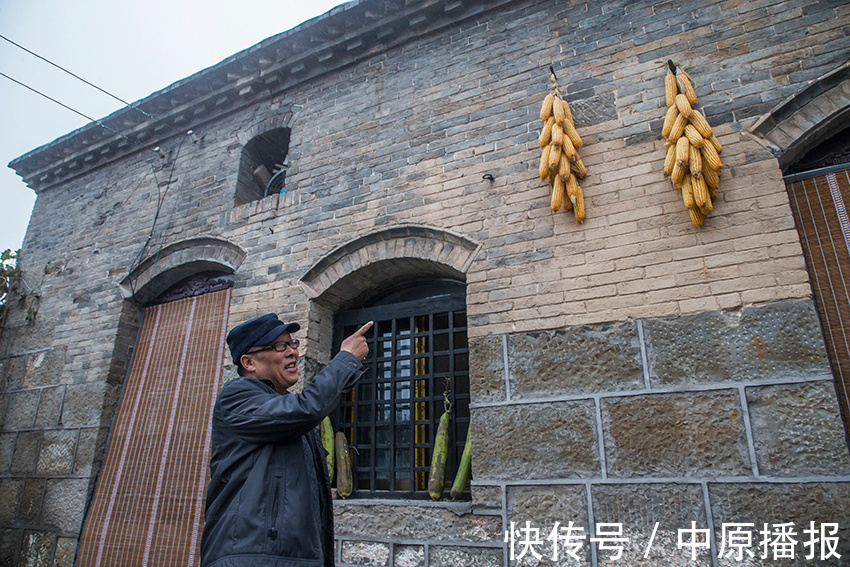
262	169
418	366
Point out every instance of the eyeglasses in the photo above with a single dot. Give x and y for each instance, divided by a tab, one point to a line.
279	346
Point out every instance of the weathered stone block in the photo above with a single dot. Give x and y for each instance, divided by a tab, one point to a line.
486	496
66	548
367	553
38	548
21	408
486	369
7	450
689	434
414	522
638	507
26	452
10	544
91	448
50	407
578	359
546	440
57	452
44	368
31	499
789	441
87	404
64	502
778	503
773	341
10	497
408	556
542	507
445	556
12	370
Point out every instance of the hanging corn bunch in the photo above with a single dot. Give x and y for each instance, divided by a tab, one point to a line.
560	163
693	160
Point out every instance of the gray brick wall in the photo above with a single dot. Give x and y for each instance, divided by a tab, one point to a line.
402	136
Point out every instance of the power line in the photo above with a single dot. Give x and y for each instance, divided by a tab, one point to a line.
104	91
89	118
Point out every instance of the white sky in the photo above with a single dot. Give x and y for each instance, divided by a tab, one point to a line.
130	48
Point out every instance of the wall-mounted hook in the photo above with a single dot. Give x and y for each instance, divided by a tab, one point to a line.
488	177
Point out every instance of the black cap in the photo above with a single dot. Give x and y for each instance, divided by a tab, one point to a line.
257	331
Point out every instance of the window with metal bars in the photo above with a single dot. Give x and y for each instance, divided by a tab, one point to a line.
418	366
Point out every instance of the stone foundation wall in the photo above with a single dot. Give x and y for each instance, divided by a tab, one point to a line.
712	418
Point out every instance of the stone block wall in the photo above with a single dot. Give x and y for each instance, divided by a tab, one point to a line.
658	370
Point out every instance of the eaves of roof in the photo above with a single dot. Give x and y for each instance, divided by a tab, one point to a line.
349	33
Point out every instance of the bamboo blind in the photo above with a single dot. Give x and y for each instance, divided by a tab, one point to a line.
148	504
822	221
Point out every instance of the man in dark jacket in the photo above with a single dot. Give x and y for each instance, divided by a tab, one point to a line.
269	500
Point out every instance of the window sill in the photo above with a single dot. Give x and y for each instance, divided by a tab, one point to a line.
458	508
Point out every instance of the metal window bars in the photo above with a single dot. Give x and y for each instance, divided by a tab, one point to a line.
418	352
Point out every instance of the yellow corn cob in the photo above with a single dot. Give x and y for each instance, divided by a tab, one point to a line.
695	161
546	133
568	148
701	196
716	143
669	119
568	205
557	135
568	114
543	170
564	167
570	132
683	105
558	111
696	216
687	191
712	191
557	193
546	109
554	157
670	160
694	137
682	151
571	189
710	157
700	123
678	128
578	167
579	205
678	174
686	87
670	89
570	185
712	179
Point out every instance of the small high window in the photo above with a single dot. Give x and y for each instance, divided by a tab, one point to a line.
262	169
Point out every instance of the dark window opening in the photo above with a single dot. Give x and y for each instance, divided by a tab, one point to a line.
195	285
418	362
262	169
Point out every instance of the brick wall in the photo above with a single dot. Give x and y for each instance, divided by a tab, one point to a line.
403	136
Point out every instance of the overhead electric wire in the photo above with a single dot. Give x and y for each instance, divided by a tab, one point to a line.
98	122
89	83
